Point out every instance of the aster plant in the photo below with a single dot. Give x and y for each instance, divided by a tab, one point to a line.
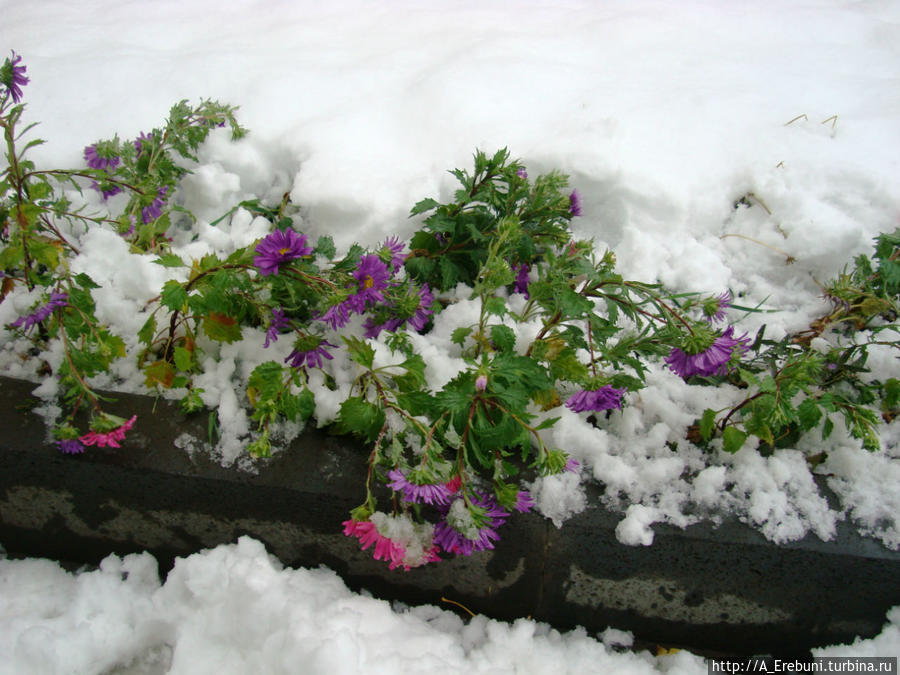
551	329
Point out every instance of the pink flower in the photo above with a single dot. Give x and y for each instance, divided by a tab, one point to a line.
385	549
108	438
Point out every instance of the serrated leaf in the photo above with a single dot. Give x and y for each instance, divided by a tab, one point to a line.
173	295
184	359
169	260
495	306
360	417
159	373
808	414
360	351
733	439
148	330
423	206
460	334
221	327
707	424
503	338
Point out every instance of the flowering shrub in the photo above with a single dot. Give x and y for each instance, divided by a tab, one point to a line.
556	325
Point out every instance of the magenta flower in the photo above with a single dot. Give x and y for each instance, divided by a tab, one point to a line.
575	203
371	278
12	76
57	300
416	492
310	358
385	549
604	398
97	159
711	361
108	438
70	446
279	323
572	465
714	308
279	247
154	210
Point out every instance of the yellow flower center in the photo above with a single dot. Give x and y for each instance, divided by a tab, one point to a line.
368	282
284	251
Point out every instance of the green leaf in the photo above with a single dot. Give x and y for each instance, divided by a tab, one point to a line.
496	306
360	417
169	260
159	373
503	338
460	334
707	424
360	351
184	359
733	439
148	330
325	247
221	327
808	414
423	206
173	295
891	393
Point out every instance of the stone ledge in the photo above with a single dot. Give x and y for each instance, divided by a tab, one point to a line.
714	589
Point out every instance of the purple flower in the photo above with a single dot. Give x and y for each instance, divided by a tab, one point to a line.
57	300
99	159
279	247
310	358
417	320
279	323
154	210
711	361
572	465
395	247
70	446
337	315
139	142
575	203
371	277
522	173
481	382
416	492
524	502
714	308
521	283
108	191
595	400
453	541
12	76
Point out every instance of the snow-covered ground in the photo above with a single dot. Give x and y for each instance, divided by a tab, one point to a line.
665	115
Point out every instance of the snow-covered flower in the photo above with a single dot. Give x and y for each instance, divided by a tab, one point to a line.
12	76
713	360
368	535
110	438
575	203
596	400
461	532
56	301
278	248
428	493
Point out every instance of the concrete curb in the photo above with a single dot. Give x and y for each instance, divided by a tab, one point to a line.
718	589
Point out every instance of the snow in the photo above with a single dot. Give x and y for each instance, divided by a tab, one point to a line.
709	141
235	609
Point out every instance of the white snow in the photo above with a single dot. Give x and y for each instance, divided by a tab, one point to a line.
665	115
